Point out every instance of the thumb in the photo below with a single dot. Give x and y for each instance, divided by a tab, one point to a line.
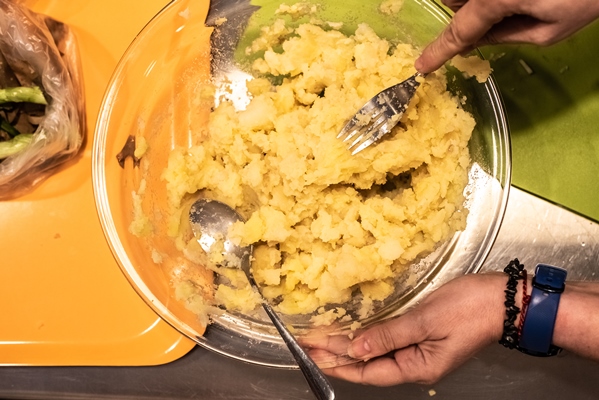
465	30
391	335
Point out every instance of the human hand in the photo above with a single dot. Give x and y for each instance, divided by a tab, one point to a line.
482	22
446	329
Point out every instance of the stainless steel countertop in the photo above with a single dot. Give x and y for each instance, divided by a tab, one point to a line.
533	230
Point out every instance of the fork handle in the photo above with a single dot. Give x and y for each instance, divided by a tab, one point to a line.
318	382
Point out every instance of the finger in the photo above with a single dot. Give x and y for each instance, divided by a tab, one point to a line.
325	359
388	336
467	27
523	29
336	344
327	350
454	5
405	365
382	371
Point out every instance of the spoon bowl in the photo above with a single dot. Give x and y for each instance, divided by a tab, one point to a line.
210	221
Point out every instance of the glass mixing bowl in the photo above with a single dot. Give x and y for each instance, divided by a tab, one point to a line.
150	94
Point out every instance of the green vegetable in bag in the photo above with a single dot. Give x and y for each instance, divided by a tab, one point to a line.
42	118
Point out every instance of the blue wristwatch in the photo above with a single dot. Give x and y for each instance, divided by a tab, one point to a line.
537	331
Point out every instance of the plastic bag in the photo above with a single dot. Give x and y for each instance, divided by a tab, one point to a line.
36	50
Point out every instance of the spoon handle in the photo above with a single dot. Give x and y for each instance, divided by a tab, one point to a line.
318	382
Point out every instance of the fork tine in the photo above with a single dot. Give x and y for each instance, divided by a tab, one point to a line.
372	138
368	129
358	118
379	128
347	128
382	114
362	146
356	124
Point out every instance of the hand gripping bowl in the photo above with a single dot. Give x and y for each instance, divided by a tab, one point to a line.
149	96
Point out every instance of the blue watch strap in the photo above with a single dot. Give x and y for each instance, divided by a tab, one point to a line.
539	321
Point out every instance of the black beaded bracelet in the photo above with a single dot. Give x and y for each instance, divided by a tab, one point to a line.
510	333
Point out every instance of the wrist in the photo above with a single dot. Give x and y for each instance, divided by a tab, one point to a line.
536	336
514	300
524	290
530	320
498	282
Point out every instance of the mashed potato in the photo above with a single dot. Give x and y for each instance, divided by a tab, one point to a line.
473	66
327	226
391	7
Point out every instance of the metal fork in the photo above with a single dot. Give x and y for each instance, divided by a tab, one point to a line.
379	116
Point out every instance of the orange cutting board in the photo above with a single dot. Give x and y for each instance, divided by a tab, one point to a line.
64	299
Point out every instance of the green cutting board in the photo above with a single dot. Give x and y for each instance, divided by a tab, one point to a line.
551	96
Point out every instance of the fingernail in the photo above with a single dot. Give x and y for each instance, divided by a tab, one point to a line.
359	348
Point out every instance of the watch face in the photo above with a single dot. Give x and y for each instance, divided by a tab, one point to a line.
550	277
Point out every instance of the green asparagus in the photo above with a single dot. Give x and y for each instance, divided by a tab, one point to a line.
15	145
22	94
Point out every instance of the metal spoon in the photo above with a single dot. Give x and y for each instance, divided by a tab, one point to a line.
210	220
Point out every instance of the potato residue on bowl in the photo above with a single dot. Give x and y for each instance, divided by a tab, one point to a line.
327	227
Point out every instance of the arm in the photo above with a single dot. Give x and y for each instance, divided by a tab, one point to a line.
482	22
455	322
